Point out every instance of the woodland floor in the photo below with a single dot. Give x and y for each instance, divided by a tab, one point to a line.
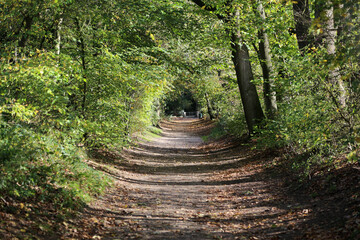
178	187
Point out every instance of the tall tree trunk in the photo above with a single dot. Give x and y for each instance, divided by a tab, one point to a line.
302	23
58	37
83	64
240	57
267	68
330	41
28	23
249	97
209	107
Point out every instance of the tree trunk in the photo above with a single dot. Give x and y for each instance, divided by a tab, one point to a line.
302	23
58	39
249	96
330	41
28	23
81	44
267	69
240	57
83	63
209	107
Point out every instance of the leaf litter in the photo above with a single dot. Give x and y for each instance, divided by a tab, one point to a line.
222	189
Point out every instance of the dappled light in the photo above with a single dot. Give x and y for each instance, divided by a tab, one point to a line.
179	119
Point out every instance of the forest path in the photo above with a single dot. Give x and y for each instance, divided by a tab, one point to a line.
177	187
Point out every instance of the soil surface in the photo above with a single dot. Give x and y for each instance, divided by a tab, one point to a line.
178	187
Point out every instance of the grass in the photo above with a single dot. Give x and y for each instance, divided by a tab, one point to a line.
216	133
151	133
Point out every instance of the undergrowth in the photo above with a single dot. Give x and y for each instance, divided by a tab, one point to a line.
216	133
150	133
47	168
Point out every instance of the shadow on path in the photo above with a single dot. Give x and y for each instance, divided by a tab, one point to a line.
175	187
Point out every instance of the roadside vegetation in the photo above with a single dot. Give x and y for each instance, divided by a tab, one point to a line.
82	75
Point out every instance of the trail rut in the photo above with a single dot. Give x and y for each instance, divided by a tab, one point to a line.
178	187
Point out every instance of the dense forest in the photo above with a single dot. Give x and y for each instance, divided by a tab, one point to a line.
82	75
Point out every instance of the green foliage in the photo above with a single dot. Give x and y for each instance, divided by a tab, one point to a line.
40	132
93	83
150	133
82	74
46	168
216	133
311	123
154	130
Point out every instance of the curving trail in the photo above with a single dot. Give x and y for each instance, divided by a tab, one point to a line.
177	187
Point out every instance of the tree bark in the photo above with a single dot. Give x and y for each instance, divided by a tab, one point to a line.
330	41
28	23
249	97
302	23
209	107
267	68
58	39
240	57
83	63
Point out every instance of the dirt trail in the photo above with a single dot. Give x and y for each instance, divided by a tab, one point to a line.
177	187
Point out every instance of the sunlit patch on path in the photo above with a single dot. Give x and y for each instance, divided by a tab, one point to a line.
174	187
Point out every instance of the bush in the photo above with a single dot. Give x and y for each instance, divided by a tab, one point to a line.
45	168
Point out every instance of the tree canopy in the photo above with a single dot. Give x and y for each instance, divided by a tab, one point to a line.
78	75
